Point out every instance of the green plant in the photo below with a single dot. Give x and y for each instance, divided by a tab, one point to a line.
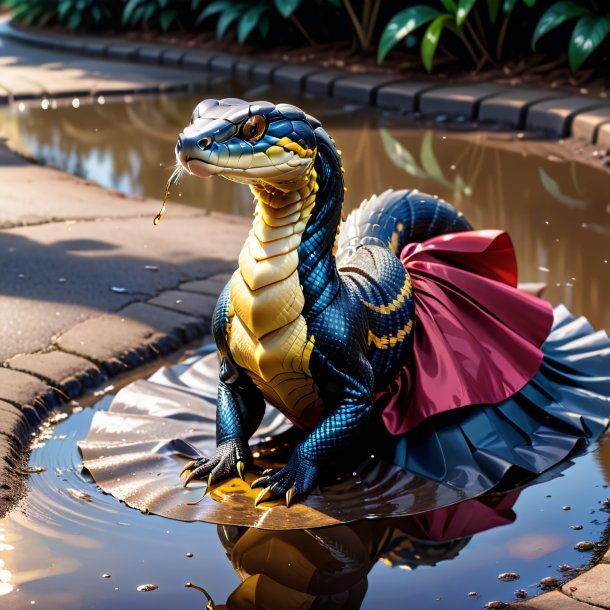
247	16
473	22
138	12
590	30
32	11
89	13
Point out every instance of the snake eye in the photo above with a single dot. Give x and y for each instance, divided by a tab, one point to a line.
254	128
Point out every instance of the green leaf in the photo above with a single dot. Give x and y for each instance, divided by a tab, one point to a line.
464	8
227	17
530	3
148	12
401	25
588	34
212	9
508	5
555	16
64	8
74	21
493	8
249	20
450	6
166	19
128	11
287	7
430	40
264	26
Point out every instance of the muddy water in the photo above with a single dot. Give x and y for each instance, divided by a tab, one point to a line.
556	208
69	546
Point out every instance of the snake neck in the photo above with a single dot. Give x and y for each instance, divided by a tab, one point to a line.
286	265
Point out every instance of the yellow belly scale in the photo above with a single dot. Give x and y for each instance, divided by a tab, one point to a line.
268	334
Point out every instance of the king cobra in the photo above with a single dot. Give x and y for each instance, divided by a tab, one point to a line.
314	320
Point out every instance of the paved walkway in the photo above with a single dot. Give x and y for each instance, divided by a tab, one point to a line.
91	288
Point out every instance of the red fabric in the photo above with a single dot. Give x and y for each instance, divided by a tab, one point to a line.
476	337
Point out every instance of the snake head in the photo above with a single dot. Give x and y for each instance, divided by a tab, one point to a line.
249	142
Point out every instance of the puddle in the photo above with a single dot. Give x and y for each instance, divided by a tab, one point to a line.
70	546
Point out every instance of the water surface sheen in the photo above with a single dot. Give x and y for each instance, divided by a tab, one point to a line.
59	543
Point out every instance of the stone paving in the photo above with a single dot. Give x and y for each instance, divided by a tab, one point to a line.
90	288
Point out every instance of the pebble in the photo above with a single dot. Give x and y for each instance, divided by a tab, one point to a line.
508	576
549	583
585	545
148	587
494	605
566	567
521	593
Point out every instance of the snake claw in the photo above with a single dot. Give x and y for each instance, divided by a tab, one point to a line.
289	496
187	469
264	495
240	467
259	482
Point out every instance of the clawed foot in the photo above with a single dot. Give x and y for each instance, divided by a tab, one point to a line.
297	478
229	460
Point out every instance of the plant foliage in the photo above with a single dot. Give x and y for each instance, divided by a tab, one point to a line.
590	30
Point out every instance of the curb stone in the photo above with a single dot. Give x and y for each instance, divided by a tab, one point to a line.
83	358
553	114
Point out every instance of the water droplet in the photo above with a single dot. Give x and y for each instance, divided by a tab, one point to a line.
101	99
189	554
508	576
106	576
44	104
151	267
118	289
148	587
75	103
566	508
584	546
22	109
545	269
61	280
473	594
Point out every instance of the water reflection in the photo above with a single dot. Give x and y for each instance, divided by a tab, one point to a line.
555	206
328	568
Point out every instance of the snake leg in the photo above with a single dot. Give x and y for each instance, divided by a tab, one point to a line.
297	478
229	460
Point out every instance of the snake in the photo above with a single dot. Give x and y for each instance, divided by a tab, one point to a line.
318	316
